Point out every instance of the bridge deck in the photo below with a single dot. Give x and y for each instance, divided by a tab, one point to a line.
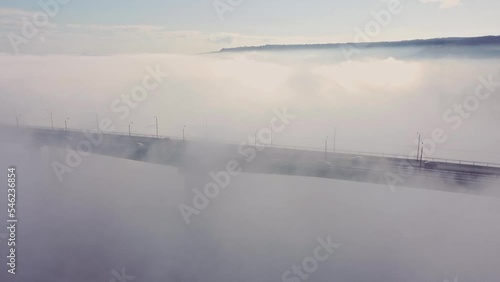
210	156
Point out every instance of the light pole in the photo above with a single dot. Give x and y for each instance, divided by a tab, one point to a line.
183	133
326	147
421	154
66	124
51	119
97	121
157	135
418	146
129	131
17	119
334	138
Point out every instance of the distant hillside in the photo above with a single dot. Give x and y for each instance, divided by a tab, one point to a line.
437	42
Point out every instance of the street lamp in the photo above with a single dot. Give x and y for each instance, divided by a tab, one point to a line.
51	119
334	138
129	131
326	146
66	124
157	135
17	119
421	154
183	133
418	146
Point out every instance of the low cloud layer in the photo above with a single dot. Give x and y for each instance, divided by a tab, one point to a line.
372	110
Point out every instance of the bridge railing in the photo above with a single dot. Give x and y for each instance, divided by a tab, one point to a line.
463	162
74	130
384	155
311	149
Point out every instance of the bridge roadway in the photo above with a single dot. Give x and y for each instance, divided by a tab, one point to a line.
202	157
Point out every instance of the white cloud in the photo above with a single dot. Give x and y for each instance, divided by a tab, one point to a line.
444	3
102	39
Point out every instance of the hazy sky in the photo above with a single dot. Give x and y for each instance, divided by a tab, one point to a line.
189	26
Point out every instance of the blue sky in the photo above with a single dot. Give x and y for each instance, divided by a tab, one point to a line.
189	26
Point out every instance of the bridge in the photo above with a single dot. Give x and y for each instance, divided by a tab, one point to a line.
197	158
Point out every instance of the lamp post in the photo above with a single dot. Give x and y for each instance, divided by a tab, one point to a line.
97	121
66	124
334	139
17	119
157	135
183	133
418	146
326	147
129	130
421	154
51	119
